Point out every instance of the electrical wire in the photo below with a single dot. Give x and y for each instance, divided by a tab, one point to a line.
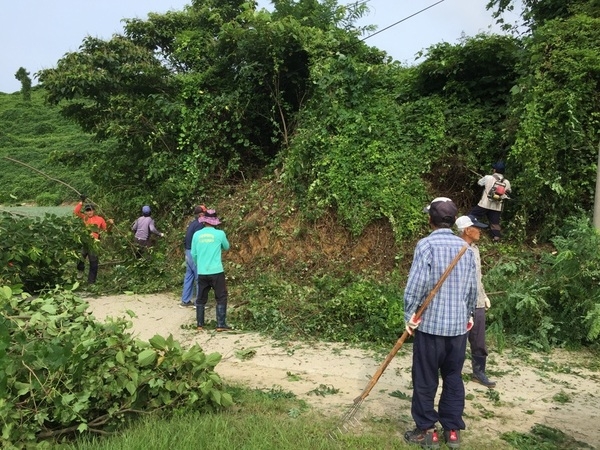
401	20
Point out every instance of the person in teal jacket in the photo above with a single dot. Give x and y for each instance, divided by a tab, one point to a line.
207	246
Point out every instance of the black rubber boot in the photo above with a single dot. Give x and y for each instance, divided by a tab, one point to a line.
221	318
479	372
200	316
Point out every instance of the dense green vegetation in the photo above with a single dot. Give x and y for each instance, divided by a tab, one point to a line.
287	122
34	133
346	133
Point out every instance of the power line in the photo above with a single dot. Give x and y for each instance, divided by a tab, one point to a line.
402	20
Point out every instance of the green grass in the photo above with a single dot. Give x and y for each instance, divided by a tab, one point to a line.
277	419
260	420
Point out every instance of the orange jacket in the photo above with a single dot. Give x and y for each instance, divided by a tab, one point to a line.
96	223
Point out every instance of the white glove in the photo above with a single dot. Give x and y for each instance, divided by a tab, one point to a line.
470	323
412	324
162	234
488	304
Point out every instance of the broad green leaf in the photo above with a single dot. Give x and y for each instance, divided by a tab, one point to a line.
147	357
158	342
49	308
213	359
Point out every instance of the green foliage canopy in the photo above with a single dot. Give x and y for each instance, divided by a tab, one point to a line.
537	12
211	90
556	109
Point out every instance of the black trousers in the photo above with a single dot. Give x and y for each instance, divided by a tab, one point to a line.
93	273
477	334
492	216
216	282
434	355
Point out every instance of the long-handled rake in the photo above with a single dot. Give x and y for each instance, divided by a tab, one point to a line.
349	420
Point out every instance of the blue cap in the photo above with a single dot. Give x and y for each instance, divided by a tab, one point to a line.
499	167
145	209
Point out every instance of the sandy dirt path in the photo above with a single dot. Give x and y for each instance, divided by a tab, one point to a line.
554	389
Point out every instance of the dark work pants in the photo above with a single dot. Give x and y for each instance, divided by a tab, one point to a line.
93	273
217	283
142	246
492	216
477	334
433	355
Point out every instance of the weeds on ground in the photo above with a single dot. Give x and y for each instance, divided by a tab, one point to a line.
542	437
324	390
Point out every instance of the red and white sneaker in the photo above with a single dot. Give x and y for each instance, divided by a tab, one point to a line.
452	438
425	438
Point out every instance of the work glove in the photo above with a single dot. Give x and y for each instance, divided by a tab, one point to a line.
412	324
470	323
162	234
488	304
82	197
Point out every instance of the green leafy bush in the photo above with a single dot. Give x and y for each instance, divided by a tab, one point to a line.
36	252
556	121
347	309
573	277
48	199
363	311
555	300
64	372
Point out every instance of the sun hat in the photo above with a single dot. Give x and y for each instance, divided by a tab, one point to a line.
199	209
442	210
464	222
210	217
146	210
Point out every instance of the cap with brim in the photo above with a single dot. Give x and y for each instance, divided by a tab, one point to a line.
88	207
442	209
464	222
499	166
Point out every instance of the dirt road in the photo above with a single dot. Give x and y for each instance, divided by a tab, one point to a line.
560	390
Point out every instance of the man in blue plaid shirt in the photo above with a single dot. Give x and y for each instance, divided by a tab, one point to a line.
441	338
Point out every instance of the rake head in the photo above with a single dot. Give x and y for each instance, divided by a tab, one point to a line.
347	422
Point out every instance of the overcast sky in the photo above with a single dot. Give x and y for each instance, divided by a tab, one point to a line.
37	33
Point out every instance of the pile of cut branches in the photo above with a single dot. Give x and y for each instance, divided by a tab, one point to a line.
64	373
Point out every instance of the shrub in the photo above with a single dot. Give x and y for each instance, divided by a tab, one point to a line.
346	309
47	199
35	252
554	301
64	372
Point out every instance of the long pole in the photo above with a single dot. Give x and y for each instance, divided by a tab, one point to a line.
404	336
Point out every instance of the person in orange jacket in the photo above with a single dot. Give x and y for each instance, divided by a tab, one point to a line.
97	225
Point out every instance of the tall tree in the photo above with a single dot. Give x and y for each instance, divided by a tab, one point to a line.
210	90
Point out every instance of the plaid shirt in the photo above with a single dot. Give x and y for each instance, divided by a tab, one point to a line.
450	309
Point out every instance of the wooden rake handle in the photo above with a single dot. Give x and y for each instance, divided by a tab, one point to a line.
388	359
